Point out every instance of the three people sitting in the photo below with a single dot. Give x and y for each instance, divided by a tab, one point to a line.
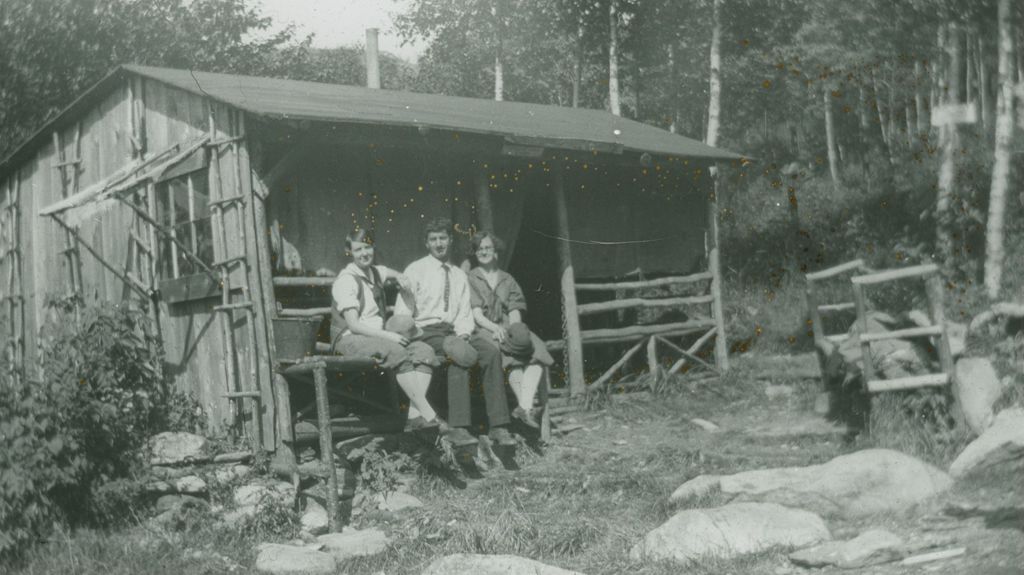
473	320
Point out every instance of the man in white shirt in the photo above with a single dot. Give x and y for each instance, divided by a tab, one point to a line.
442	310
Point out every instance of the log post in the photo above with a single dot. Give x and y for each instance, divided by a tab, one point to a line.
573	339
652	355
715	267
867	363
933	289
323	421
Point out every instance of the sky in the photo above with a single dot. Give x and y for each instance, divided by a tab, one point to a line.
342	22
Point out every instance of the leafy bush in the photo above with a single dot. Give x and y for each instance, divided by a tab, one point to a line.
77	423
380	470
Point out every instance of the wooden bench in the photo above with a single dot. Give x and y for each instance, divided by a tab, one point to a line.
317	368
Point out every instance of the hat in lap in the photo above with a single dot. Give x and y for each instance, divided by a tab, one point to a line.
518	344
403	325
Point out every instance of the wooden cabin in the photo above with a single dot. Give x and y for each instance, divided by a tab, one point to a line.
219	203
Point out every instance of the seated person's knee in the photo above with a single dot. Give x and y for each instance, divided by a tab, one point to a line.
460	352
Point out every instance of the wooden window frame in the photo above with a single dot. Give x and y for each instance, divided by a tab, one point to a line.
180	287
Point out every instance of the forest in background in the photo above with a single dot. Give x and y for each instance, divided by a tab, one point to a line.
833	101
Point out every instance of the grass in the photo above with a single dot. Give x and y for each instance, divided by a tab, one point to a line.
580	505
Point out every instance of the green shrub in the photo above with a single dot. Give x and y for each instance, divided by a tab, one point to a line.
75	425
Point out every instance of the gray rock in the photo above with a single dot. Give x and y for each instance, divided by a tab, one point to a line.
169	473
190	484
354	543
256	494
1004	441
397	501
232	474
471	564
853	485
977	390
158	487
177	447
314	517
275	559
892	357
872	547
173	502
704	424
730	531
700	486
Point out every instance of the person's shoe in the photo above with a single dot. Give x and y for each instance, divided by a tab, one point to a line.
419	423
527	418
502	437
459	437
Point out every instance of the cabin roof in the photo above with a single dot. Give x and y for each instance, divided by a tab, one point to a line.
537	124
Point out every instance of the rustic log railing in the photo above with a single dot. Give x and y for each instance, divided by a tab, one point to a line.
651	335
933	290
823	342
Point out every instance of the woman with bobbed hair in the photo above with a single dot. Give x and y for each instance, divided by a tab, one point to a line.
360	327
498	305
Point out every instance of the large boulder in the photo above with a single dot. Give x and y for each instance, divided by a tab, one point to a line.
977	389
1004	441
177	447
872	547
471	564
853	485
397	501
730	531
354	543
697	488
274	559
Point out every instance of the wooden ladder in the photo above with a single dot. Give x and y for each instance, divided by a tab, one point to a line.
220	204
69	187
933	289
11	256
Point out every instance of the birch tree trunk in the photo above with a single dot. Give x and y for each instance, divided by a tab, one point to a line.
947	171
882	122
983	94
892	108
830	137
715	85
922	119
1001	168
673	78
613	59
577	67
909	112
714	109
499	66
969	62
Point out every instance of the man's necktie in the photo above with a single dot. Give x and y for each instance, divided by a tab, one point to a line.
447	285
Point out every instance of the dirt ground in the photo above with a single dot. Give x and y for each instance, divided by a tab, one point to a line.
585	499
592	494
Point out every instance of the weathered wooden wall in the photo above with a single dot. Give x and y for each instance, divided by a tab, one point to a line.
194	345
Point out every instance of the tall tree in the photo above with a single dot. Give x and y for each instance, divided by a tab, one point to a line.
830	136
52	50
613	58
994	239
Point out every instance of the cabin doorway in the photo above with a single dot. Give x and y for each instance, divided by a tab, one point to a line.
534	263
